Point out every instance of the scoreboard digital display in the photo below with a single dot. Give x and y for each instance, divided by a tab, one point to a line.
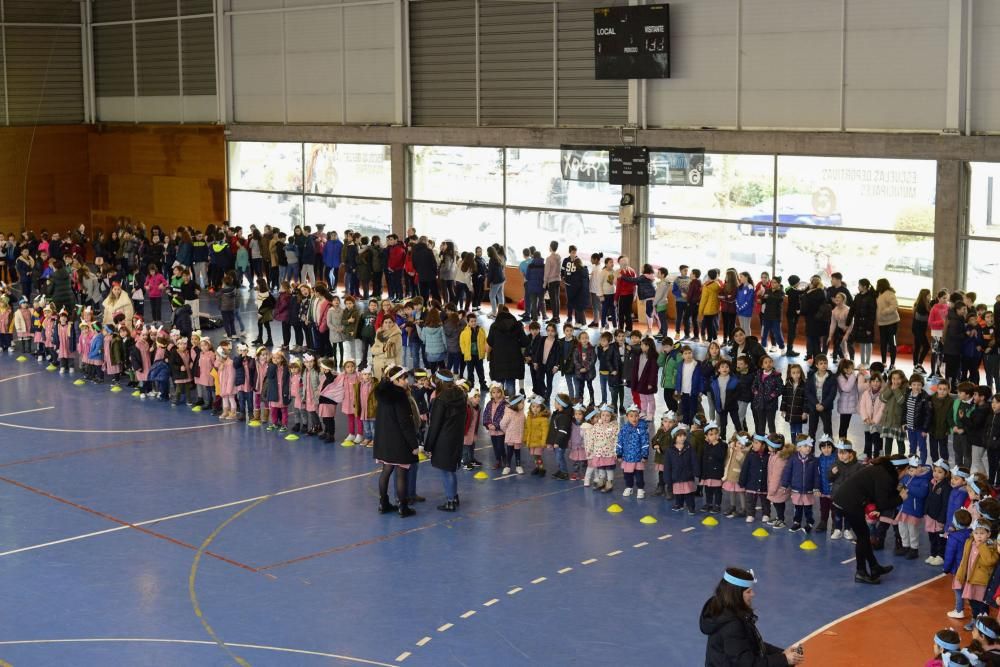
632	42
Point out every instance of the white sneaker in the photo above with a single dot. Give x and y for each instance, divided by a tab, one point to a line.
937	561
956	614
627	492
750	518
836	535
71	370
766	519
641	493
62	371
358	437
505	471
142	397
848	535
586	482
520	471
929	560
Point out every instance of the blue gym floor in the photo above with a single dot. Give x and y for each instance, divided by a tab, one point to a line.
134	533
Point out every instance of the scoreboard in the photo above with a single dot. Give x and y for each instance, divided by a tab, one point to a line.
632	42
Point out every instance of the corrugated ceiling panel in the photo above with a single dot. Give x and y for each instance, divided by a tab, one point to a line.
443	62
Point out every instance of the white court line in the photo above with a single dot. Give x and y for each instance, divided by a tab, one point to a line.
23	375
865	608
490	603
515	591
446	626
134	430
183	514
640	545
513	474
664	537
688	529
565	570
538	580
471	612
24	412
403	656
614	553
849	560
196	642
589	561
424	641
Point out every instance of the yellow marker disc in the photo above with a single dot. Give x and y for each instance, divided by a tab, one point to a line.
648	519
615	508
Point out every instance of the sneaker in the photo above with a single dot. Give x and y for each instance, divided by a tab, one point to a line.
766	519
848	535
477	464
676	508
573	477
641	493
519	470
956	614
730	514
505	471
938	561
929	560
796	527
809	528
627	492
692	513
467	466
778	524
836	535
586	482
749	518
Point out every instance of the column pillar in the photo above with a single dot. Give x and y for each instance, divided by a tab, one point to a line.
398	167
950	213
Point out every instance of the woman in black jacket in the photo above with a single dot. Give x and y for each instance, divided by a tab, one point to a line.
954	336
862	314
748	345
445	434
816	311
396	446
506	341
878	484
731	625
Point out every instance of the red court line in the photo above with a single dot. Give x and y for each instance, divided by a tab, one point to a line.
409	531
75	452
122	522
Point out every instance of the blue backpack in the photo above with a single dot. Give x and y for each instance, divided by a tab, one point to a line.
96	352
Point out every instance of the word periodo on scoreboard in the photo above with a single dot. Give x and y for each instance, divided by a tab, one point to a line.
632	42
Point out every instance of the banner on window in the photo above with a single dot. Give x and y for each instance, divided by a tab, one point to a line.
585	163
677	166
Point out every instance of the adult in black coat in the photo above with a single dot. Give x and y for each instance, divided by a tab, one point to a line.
396	443
748	345
731	625
954	337
863	312
878	484
506	341
426	267
816	312
60	289
445	433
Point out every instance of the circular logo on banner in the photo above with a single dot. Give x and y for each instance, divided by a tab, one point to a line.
824	202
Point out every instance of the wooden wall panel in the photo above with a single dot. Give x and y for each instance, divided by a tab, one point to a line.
56	194
166	175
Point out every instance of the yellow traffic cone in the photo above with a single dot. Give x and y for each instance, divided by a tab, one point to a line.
481	475
710	521
648	519
615	508
808	545
760	532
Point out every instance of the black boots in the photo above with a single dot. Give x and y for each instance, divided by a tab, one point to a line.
862	578
450	505
384	506
404	510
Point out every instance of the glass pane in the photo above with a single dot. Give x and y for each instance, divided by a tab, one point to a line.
355	170
906	261
259	165
866	193
984	199
281	211
734	187
535	178
708	245
467	226
456	173
982	274
368	216
592	233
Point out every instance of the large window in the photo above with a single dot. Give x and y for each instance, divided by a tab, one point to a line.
516	197
342	186
982	240
864	218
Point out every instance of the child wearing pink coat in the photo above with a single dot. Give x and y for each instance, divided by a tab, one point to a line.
297	419
204	382
311	378
348	381
227	381
870	407
64	342
778	495
512	427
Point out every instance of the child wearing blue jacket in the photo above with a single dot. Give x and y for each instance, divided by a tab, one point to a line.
801	475
689	385
936	510
959	532
917	482
680	468
827	459
959	494
819	404
633	450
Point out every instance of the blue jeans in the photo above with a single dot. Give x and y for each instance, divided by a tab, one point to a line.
561	459
509	387
496	297
450	480
604	388
411	480
608	310
368	426
918	443
455	363
772	328
411	355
